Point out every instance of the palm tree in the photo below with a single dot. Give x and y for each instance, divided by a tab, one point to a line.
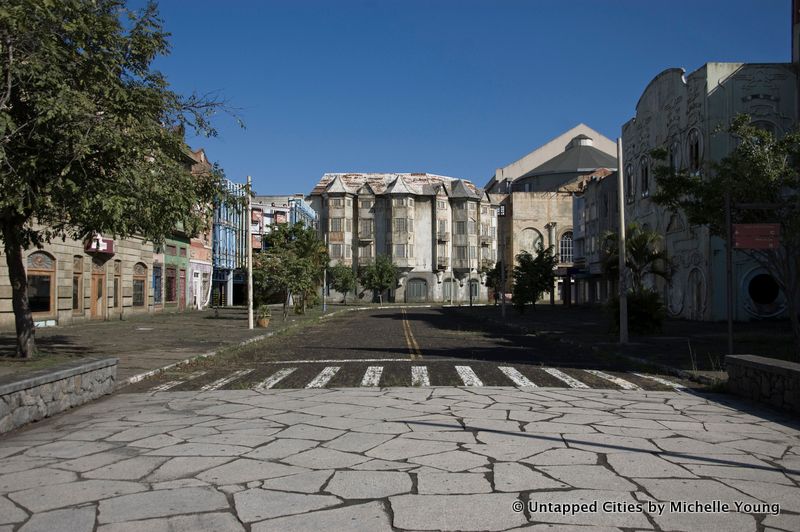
643	255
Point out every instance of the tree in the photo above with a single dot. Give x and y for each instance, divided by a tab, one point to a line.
291	263
643	257
342	279
533	276
379	276
91	137
761	169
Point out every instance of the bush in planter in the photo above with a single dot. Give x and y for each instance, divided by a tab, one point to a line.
646	312
263	313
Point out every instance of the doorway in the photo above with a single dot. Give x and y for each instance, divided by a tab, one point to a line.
98	284
182	290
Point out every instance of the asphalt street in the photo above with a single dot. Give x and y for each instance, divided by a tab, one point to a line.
408	347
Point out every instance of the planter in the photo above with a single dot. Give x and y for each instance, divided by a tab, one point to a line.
262	322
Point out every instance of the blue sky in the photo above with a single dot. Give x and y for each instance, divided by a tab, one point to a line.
457	88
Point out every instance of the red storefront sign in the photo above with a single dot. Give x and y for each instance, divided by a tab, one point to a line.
756	236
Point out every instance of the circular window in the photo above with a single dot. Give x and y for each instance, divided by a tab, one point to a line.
763	289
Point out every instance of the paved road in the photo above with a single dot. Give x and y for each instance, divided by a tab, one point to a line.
403	459
408	347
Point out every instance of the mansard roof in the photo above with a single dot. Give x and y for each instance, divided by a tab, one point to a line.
418	184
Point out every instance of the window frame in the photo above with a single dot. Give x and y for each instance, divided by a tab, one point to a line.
34	270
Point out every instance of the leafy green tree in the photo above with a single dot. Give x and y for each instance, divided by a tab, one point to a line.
291	264
644	259
379	276
91	136
342	279
533	276
761	169
643	256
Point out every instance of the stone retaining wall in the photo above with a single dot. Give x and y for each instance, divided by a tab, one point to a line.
767	380
43	393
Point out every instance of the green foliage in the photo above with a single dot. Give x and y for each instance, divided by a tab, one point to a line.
643	257
646	312
291	264
760	169
493	276
532	277
91	136
342	279
379	276
263	312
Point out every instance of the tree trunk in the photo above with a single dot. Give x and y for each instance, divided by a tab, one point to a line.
23	320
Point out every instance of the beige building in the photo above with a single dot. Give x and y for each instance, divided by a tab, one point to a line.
687	115
536	192
75	281
439	231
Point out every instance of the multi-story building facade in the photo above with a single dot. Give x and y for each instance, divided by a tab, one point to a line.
687	115
595	213
271	210
200	250
72	281
535	195
440	232
229	249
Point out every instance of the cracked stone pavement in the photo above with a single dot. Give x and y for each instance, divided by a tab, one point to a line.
398	459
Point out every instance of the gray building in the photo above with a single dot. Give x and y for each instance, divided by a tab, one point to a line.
536	197
440	232
687	115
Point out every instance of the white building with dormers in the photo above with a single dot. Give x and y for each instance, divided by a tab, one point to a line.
439	231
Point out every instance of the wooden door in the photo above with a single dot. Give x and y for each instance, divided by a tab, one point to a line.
98	292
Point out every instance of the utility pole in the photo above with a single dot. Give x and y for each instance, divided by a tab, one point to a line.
729	269
623	288
503	284
249	221
325	280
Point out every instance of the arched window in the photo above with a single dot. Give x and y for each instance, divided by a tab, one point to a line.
139	284
42	283
530	240
644	176
695	150
629	182
675	156
565	247
77	285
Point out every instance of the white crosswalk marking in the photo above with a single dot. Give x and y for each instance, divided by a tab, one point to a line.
563	377
324	376
659	380
468	377
274	379
518	378
219	383
622	383
419	376
165	386
372	376
172	384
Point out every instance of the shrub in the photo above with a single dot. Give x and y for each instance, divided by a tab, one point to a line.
646	312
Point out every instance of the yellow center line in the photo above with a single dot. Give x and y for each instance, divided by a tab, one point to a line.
413	346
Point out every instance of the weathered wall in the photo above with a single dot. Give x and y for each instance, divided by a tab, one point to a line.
47	392
766	380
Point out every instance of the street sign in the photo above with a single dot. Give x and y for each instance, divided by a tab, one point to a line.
756	236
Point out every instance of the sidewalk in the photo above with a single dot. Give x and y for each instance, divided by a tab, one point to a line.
146	343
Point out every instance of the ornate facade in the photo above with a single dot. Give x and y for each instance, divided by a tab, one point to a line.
440	232
687	114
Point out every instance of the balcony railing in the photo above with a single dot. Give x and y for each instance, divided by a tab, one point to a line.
443	236
441	262
486	240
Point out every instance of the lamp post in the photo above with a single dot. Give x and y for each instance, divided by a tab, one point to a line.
249	221
623	289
